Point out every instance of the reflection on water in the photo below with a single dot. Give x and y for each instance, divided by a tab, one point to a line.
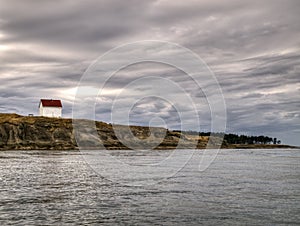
240	187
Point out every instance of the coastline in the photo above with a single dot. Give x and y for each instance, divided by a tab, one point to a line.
42	133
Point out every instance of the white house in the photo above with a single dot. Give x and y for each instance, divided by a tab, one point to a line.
50	108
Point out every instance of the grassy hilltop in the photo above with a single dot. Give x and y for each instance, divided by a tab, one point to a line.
32	133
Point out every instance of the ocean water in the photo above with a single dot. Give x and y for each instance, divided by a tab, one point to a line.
240	187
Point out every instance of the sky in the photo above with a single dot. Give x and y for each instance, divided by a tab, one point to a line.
251	47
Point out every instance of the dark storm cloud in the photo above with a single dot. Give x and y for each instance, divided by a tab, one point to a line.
252	47
284	64
66	24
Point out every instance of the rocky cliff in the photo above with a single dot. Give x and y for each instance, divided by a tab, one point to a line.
30	133
19	132
34	133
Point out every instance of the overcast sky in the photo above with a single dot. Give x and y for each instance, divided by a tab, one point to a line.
252	47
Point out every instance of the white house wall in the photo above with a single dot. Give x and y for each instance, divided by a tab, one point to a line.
50	111
41	110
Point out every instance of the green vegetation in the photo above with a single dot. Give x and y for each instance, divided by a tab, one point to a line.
237	139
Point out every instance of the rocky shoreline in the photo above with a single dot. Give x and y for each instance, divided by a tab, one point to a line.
41	133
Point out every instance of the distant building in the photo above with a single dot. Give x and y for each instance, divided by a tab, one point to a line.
50	108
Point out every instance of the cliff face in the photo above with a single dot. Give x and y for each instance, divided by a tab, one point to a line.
31	133
26	133
35	133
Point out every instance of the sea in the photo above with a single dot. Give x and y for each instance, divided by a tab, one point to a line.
150	187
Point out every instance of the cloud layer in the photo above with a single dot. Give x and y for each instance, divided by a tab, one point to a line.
252	47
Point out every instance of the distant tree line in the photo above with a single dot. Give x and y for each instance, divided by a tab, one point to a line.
235	138
243	139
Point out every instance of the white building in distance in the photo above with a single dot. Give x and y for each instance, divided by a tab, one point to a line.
50	108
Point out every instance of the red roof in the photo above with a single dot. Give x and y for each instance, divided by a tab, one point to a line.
51	103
